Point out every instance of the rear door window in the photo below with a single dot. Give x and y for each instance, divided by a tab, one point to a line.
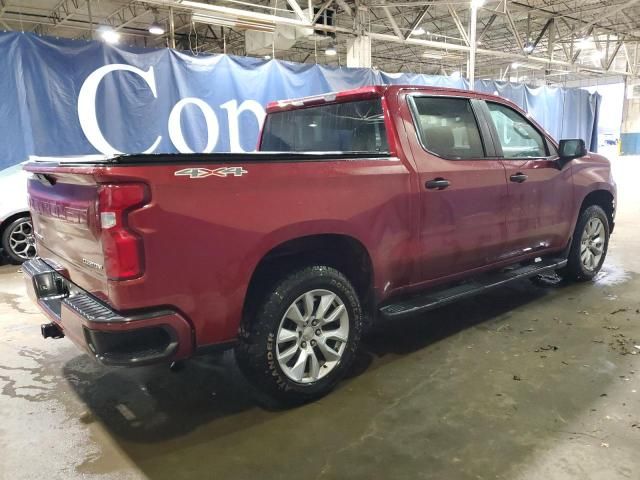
340	127
447	127
518	137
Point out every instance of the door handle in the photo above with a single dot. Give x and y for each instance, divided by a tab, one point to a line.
437	184
518	177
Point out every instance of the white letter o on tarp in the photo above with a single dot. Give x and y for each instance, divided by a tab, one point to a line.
175	130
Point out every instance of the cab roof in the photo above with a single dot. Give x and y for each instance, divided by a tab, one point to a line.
373	91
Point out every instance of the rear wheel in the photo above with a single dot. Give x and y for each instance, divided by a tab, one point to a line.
589	245
18	241
303	337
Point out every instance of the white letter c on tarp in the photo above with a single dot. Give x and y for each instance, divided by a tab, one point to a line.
87	106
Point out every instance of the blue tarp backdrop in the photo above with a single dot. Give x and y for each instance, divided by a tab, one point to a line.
68	97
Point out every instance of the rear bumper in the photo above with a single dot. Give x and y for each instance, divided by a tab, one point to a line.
113	339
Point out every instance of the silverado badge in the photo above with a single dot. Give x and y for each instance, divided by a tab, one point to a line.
205	172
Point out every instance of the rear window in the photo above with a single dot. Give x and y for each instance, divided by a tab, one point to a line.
340	127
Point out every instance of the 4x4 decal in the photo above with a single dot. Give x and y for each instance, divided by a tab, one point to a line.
198	172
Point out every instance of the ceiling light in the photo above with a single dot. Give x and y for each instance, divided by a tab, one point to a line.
584	43
436	56
331	50
597	56
267	57
528	47
455	74
418	31
155	28
515	65
477	3
109	35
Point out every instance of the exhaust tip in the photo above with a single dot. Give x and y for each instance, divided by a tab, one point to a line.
51	330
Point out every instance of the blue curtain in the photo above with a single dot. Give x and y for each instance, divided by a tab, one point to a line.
215	101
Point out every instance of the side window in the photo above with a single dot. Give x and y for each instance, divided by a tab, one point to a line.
447	127
518	137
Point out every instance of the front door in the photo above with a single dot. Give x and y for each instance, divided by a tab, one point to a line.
463	190
540	193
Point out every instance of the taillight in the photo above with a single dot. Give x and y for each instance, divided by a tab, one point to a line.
122	247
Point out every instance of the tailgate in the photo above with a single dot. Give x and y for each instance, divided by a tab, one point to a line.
65	220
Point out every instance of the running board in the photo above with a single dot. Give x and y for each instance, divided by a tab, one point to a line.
437	298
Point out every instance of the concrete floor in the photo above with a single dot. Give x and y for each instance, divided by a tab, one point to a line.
522	383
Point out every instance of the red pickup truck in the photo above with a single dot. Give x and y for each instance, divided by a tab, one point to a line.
382	201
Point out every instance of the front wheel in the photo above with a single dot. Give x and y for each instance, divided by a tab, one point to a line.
303	337
589	245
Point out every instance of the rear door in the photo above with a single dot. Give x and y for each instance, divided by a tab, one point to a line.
463	186
540	193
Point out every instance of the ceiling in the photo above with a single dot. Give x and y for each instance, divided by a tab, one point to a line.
536	41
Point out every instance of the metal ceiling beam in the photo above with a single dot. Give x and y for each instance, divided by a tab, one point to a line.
567	54
613	54
458	22
566	16
416	23
62	12
393	23
514	30
127	14
487	26
481	51
608	13
630	67
296	8
541	34
404	52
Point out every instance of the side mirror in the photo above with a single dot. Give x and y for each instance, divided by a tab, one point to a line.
570	149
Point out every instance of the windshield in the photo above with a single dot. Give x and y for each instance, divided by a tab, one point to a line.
340	127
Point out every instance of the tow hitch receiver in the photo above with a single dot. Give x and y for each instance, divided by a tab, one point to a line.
51	330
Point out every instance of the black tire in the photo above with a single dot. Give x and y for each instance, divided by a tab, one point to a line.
258	349
576	269
14	256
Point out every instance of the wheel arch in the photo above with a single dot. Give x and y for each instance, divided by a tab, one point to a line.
602	198
341	251
12	217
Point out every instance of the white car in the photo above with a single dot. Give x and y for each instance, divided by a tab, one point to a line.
16	231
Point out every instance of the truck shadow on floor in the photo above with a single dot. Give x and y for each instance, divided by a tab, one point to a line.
154	404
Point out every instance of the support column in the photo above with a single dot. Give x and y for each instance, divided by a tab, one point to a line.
630	129
471	65
90	19
359	47
172	29
359	51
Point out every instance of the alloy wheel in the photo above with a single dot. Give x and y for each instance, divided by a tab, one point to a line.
312	336
592	244
22	241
